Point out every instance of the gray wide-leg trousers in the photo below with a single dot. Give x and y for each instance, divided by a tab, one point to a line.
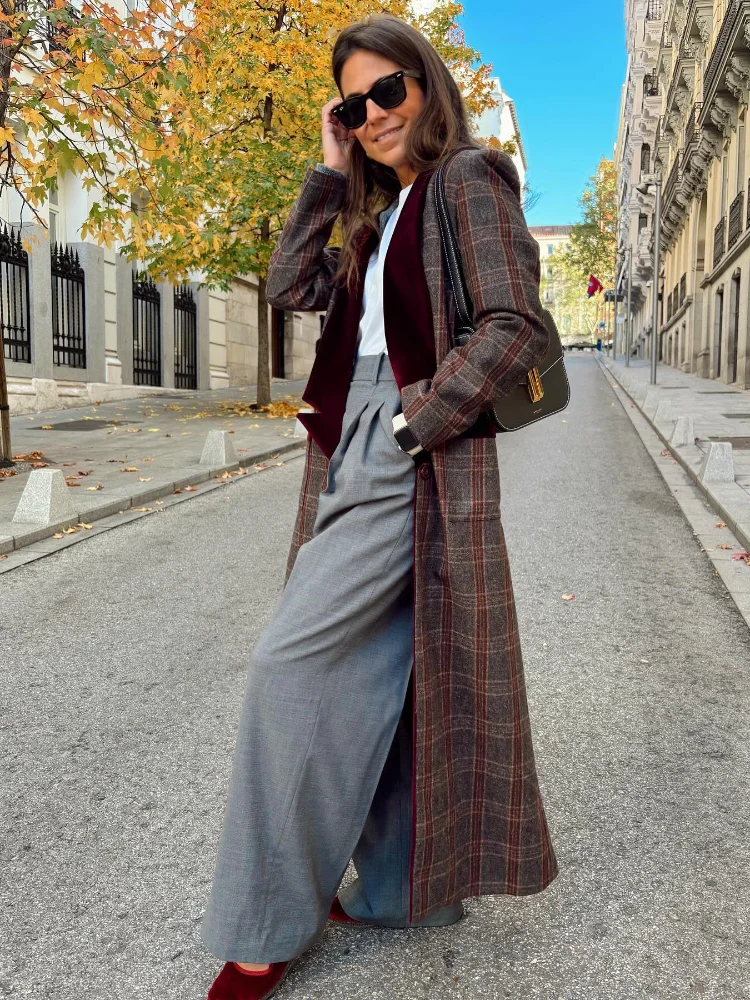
322	764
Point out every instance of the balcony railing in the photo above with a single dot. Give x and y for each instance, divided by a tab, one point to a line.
671	185
719	240
692	128
683	288
735	219
654	10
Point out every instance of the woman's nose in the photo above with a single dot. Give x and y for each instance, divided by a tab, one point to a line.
375	112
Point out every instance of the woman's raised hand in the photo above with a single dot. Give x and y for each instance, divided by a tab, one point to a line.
337	140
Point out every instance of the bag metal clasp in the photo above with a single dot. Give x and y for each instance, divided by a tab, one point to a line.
535	387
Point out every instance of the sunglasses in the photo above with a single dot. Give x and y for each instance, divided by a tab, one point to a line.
386	93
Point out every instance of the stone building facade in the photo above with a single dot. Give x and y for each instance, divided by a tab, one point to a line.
684	118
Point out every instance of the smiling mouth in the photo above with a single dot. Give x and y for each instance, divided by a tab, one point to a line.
389	133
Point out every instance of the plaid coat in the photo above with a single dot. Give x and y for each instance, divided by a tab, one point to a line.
479	822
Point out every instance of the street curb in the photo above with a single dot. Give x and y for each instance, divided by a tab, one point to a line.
36	533
741	529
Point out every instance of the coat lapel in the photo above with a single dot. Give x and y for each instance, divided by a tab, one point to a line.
409	332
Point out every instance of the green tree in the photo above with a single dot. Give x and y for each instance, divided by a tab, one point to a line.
593	241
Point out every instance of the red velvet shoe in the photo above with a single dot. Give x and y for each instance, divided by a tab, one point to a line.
340	916
234	983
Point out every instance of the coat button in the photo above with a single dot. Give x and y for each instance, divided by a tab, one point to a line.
424	470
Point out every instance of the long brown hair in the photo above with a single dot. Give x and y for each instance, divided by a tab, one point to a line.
441	126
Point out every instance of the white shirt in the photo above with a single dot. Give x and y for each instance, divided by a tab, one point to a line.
371	336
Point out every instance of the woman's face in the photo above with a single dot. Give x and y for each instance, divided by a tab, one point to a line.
383	134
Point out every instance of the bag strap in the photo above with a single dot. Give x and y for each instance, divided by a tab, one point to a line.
465	327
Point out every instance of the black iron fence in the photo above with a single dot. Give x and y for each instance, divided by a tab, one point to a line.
68	308
146	331
15	306
185	339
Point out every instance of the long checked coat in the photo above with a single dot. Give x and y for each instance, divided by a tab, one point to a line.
479	823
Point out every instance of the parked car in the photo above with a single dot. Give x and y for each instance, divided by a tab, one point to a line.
579	345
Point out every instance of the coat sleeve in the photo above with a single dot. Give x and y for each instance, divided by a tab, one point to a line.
302	267
501	267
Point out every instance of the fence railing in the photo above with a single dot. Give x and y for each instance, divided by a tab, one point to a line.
735	219
15	304
146	331
68	308
719	233
185	339
654	10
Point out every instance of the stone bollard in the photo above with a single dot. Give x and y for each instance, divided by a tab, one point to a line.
718	464
218	450
683	433
45	499
664	412
651	403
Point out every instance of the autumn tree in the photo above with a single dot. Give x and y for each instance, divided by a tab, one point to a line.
574	312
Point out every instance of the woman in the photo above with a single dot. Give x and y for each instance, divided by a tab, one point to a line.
385	715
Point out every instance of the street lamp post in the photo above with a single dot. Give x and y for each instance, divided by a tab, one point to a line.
655	320
629	316
643	189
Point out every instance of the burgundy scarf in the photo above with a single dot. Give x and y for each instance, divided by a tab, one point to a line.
409	332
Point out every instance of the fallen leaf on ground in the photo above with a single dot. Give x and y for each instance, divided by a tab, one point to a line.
129	468
158	502
95	488
70	531
58	535
167	435
726	546
46	427
568	597
3	557
86	473
745	556
32	456
82	524
134	430
153	430
720	524
115	460
260	465
40	465
665	454
190	489
142	509
148	459
145	479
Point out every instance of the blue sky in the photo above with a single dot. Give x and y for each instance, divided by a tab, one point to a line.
563	62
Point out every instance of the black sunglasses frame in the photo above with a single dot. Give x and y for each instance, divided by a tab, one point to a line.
351	102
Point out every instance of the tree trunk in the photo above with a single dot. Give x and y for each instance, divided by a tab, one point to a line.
263	387
5	446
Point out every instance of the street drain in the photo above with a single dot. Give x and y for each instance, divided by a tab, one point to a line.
740	443
84	425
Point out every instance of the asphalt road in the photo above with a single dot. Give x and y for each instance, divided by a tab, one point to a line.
123	664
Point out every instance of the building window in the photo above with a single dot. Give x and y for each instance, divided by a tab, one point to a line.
642	222
550	249
56	226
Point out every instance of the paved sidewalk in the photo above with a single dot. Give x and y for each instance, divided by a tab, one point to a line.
121	455
720	413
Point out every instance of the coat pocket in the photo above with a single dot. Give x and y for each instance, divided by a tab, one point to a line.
472	479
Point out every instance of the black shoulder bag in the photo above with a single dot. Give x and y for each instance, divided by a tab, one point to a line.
545	390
